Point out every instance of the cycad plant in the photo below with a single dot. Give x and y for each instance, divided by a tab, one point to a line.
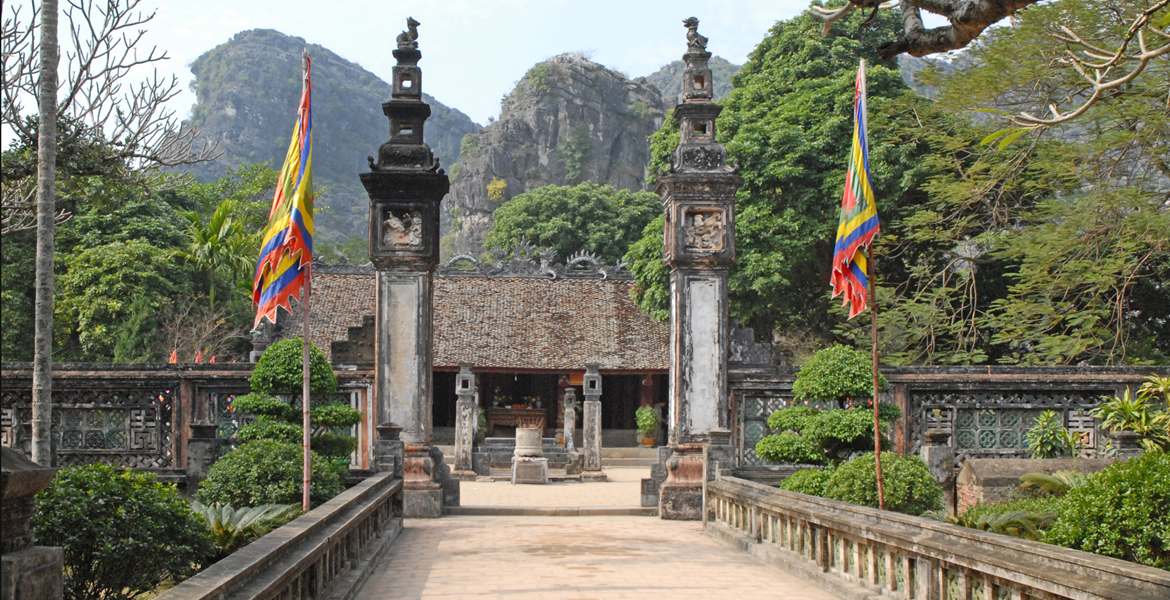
1056	484
232	528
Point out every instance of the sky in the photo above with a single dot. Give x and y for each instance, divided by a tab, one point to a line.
474	51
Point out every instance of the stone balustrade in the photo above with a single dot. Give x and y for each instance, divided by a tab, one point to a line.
326	553
858	552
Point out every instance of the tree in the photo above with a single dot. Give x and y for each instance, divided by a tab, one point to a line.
1103	61
102	56
788	121
221	247
575	219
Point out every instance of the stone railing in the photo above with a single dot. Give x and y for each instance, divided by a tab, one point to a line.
858	552
327	553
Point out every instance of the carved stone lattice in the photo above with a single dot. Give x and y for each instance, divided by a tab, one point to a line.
131	428
993	424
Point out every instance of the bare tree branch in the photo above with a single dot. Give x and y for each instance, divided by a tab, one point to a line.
101	88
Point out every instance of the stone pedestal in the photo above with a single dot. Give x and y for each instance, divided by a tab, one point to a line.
466	417
698	201
940	459
27	572
389	451
203	448
592	425
531	470
1127	443
405	186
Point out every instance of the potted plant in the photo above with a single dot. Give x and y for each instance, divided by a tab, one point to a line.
647	419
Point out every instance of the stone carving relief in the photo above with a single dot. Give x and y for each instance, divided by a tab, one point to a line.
703	230
402	229
702	159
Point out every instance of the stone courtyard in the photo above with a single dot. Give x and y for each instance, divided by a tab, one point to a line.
575	558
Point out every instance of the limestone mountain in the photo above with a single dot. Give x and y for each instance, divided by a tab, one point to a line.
568	120
668	79
248	90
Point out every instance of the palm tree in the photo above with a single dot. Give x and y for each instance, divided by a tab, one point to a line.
221	247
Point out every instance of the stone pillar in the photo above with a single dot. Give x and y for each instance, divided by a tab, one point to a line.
940	459
203	449
570	417
406	185
466	417
27	572
592	430
1127	443
698	199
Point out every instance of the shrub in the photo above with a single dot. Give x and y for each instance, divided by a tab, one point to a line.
807	481
837	374
267	472
232	529
1120	512
1025	518
646	419
909	486
1140	414
789	447
809	435
280	370
123	533
1048	438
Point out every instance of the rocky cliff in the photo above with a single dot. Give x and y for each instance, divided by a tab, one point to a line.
568	120
668	79
248	90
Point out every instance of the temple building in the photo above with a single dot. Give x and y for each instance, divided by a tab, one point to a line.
527	327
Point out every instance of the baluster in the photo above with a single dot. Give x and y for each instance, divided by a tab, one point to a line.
891	576
857	559
871	549
988	588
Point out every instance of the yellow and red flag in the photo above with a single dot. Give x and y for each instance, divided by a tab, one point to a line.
287	246
859	219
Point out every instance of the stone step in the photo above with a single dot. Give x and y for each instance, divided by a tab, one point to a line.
639	452
628	462
551	511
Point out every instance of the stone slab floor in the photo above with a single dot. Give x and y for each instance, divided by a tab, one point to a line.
624	488
572	558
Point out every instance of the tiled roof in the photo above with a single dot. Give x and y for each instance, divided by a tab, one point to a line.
513	323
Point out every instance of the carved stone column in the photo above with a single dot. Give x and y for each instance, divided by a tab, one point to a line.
570	412
28	571
592	429
466	417
698	199
940	459
405	185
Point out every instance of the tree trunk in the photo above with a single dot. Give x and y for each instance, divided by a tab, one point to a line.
42	402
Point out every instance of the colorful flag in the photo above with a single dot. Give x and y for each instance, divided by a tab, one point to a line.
174	356
859	218
199	357
287	246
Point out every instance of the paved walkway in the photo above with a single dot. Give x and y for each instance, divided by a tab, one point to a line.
570	558
622	489
573	558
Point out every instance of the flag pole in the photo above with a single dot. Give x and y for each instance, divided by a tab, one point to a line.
877	434
873	311
305	334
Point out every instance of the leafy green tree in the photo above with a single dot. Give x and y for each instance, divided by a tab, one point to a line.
571	219
220	249
788	122
123	533
837	374
137	337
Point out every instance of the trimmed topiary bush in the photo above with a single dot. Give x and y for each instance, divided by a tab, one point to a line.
123	532
908	484
789	447
807	481
837	374
812	436
280	370
267	472
1121	512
